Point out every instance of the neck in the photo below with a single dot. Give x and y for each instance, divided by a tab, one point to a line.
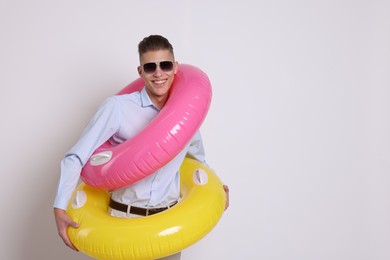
159	102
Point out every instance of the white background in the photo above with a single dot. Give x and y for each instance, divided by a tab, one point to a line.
298	127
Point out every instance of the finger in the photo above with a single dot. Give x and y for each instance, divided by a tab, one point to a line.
73	224
226	189
67	241
227	204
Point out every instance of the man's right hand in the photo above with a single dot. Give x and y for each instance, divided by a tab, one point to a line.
63	221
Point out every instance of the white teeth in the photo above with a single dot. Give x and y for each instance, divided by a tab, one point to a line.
160	81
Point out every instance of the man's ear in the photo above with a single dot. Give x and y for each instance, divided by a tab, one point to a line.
176	67
139	69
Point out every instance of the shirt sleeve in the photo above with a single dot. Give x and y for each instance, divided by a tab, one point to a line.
196	149
102	126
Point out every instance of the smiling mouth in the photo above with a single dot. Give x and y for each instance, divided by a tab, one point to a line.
159	82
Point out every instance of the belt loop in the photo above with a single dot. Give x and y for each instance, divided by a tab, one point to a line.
128	210
147	212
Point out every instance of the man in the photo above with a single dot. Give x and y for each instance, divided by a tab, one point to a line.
118	119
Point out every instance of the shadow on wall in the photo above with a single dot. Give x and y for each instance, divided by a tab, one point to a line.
40	239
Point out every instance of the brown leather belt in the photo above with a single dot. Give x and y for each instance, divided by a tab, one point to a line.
136	210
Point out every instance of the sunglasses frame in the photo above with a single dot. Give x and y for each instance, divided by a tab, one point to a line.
151	67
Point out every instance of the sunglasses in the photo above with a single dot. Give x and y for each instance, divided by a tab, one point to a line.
151	67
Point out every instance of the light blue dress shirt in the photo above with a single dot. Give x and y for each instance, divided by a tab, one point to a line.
118	119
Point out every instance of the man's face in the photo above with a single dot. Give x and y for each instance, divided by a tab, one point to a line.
158	78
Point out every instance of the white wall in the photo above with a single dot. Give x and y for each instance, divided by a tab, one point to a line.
299	124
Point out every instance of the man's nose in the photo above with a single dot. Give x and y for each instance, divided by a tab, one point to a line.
158	71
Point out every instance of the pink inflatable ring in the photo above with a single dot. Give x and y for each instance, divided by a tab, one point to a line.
112	167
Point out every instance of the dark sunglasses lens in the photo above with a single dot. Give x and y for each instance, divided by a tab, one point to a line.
166	65
150	67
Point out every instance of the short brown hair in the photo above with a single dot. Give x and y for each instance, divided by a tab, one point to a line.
154	43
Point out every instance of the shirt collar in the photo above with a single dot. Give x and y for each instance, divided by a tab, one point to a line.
145	99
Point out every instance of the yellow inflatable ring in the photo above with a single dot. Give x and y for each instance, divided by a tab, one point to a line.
102	236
